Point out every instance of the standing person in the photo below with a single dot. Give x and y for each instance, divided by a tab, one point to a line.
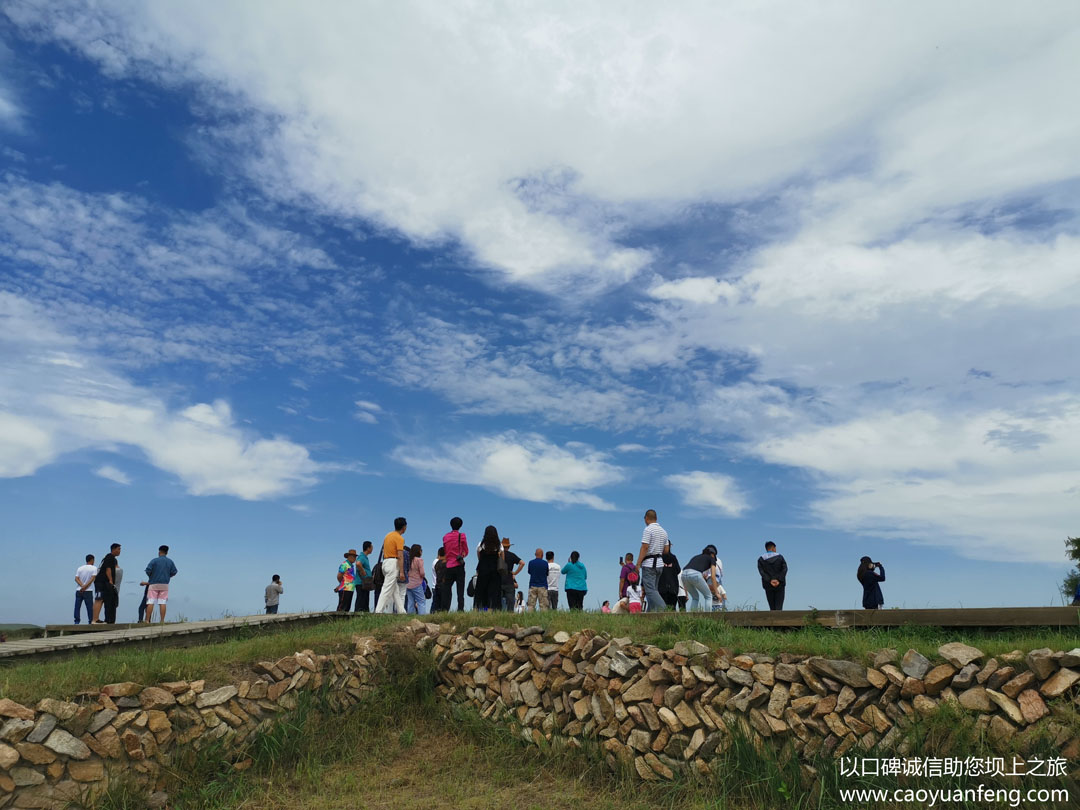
668	583
394	569
553	580
773	569
457	551
575	584
654	542
414	587
346	577
509	574
869	577
697	574
363	572
140	612
440	578
633	593
159	572
488	579
107	583
273	594
538	582
84	577
626	567
519	605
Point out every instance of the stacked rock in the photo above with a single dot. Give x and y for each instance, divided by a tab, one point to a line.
664	711
60	754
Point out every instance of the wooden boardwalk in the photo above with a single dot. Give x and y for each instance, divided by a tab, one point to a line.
1056	617
82	638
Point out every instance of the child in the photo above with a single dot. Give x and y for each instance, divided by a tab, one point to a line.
633	593
606	607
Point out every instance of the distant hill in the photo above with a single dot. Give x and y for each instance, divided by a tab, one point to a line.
14	628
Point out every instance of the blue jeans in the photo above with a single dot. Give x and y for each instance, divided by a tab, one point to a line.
696	589
84	598
649	578
271	609
414	599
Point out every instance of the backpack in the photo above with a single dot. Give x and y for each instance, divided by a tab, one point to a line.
471	589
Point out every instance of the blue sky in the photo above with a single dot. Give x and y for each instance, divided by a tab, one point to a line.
272	276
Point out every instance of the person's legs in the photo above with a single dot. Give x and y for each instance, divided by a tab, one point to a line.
493	590
99	601
161	611
112	599
399	603
454	577
553	600
149	615
682	603
416	601
649	579
389	587
363	601
271	609
509	598
84	598
697	590
780	597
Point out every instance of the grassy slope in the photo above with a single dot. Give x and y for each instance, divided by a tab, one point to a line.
222	661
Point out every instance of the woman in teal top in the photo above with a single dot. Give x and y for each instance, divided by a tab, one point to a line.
575	582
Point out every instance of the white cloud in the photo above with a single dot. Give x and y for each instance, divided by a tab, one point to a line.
48	409
695	290
110	473
535	134
713	491
630	447
993	484
522	466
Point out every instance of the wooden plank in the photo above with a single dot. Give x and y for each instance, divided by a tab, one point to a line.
925	617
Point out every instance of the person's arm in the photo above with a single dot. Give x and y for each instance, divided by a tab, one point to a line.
340	575
402	574
761	567
79	583
110	574
172	570
280	588
783	568
521	564
881	576
150	568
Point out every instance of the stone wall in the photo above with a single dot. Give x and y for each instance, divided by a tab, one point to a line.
664	711
63	753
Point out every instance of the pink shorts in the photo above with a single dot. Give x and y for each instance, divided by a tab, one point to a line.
157	595
635	607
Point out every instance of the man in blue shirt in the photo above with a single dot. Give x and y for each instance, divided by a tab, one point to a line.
538	573
158	573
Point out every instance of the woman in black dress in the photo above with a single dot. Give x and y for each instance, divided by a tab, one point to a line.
488	579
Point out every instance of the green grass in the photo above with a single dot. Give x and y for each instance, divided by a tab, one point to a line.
225	660
218	662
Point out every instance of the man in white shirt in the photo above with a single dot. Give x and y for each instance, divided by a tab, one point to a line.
654	543
84	578
554	569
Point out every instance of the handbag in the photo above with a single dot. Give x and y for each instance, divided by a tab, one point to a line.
471	589
377	576
427	590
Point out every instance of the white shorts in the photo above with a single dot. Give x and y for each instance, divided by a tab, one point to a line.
157	595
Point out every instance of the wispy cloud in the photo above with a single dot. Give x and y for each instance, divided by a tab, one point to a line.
51	408
711	491
110	473
523	466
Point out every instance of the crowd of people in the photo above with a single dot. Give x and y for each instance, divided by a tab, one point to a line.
105	580
652	580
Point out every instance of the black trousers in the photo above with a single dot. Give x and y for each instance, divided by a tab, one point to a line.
553	599
363	601
489	590
775	595
451	577
682	604
344	600
110	598
575	599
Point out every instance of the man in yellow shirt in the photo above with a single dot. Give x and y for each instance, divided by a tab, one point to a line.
392	596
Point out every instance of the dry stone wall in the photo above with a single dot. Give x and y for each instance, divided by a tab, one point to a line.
62	754
666	711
